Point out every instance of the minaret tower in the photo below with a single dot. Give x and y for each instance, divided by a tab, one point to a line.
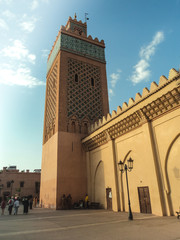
76	96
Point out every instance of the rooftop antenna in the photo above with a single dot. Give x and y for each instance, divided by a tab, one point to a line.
86	18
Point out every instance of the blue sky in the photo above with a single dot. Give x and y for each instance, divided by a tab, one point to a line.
142	43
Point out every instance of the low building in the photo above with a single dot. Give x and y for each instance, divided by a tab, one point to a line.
19	183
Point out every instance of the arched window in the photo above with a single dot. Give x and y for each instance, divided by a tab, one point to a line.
92	82
85	128
76	78
73	127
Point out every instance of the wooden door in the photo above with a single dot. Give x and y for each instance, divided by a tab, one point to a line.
144	199
109	198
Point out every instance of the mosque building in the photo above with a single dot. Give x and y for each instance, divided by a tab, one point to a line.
84	145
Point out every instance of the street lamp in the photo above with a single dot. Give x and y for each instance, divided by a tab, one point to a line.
124	167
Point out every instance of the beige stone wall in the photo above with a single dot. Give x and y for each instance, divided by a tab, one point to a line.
148	131
137	145
71	168
48	188
167	137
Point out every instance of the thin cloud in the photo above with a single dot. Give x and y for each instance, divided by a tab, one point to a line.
34	4
114	78
19	52
141	71
3	24
113	81
147	52
111	92
28	25
8	2
8	14
20	76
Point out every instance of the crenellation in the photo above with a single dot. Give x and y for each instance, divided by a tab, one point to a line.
119	110
114	113
62	27
124	106
172	73
96	125
131	102
138	97
104	120
108	117
153	86
145	92
162	80
100	122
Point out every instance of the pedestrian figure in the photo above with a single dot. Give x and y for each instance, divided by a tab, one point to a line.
10	203
16	206
34	202
3	205
69	201
30	203
86	202
63	202
26	205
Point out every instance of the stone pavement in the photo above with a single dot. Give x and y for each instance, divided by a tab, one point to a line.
49	224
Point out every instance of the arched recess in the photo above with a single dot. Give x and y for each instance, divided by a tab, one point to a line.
99	184
172	175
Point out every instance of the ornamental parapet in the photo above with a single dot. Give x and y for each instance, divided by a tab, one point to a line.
160	99
73	38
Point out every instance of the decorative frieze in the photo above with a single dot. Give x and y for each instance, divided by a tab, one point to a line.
82	47
149	112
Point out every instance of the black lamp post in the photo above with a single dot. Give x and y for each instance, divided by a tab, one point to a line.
124	167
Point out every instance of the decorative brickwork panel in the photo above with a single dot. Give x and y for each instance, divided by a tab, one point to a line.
82	47
84	96
54	53
76	26
51	102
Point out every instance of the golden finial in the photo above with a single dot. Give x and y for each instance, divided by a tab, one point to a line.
75	16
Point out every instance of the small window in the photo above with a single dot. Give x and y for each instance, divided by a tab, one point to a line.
73	127
8	184
85	128
76	78
92	82
21	184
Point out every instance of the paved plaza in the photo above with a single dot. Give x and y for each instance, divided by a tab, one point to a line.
49	224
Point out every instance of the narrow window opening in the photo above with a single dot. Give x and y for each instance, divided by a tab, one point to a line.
85	128
21	184
76	78
8	184
92	82
73	127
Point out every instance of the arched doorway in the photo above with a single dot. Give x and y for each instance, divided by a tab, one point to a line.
172	170
99	184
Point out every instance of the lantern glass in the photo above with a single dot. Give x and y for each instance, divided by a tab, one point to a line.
121	166
130	164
